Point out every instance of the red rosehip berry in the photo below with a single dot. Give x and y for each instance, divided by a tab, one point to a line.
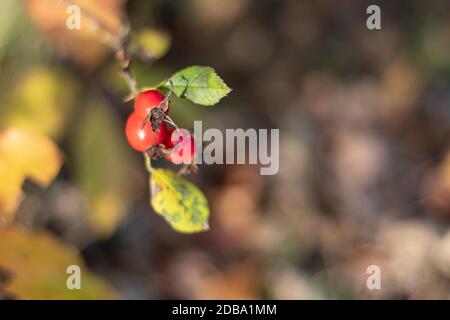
183	147
146	101
162	135
168	143
140	136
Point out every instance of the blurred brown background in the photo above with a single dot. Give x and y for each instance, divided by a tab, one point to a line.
364	119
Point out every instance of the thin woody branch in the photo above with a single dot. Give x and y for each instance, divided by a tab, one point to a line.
117	40
124	62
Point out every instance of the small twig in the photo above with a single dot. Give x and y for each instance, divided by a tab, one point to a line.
109	36
187	169
170	92
148	162
124	62
169	120
117	40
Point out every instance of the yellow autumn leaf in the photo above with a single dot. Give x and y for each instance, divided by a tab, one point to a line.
24	155
180	202
37	264
42	102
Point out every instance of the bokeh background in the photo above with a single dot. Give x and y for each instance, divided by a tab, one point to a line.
364	119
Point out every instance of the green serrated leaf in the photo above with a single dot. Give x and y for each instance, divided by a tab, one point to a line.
180	202
199	84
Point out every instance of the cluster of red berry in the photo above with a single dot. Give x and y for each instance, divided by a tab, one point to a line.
147	129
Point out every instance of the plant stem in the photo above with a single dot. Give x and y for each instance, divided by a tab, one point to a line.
148	163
